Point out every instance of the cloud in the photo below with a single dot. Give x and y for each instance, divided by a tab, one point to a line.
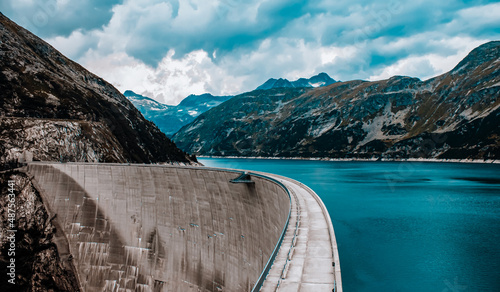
168	82
429	65
76	44
54	18
479	21
168	49
151	28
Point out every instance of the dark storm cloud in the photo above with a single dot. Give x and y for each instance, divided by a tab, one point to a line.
59	18
222	28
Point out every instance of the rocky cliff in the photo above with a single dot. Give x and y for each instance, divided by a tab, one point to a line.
454	115
59	111
37	262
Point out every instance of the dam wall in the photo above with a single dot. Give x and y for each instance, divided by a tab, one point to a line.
161	228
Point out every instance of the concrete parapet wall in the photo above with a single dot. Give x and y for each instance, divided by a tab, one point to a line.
155	228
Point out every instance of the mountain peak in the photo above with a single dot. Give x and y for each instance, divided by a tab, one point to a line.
128	93
205	99
322	79
484	53
268	84
282	83
132	95
144	103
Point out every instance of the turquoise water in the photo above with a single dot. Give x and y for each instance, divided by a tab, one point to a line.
405	226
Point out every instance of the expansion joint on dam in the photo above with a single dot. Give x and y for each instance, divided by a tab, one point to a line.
177	228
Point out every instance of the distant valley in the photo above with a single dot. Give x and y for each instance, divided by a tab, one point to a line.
170	118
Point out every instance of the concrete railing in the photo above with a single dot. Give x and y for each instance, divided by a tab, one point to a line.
270	262
333	240
289	255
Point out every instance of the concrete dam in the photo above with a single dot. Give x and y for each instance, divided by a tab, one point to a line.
135	227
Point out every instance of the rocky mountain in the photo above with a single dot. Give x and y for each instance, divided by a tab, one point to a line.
322	79
145	104
39	263
454	115
171	118
198	104
57	110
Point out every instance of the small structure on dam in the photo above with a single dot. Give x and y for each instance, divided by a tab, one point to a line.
165	228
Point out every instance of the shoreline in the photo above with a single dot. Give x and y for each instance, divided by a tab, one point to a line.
436	160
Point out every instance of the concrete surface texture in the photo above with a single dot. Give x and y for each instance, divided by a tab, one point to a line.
166	228
163	228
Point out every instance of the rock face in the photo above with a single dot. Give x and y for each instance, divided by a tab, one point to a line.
61	140
322	79
454	115
59	111
171	118
38	264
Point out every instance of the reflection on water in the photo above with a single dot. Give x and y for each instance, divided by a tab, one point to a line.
485	180
405	226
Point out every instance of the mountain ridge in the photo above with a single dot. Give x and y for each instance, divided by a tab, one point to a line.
453	115
322	79
59	111
170	118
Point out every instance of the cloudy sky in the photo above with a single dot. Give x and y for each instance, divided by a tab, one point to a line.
170	49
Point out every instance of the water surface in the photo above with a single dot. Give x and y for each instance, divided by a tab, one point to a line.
405	226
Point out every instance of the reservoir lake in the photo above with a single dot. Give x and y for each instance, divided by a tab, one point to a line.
404	226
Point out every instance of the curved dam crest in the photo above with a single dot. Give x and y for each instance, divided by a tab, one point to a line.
165	228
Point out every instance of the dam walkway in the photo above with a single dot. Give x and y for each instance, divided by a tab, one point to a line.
308	257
